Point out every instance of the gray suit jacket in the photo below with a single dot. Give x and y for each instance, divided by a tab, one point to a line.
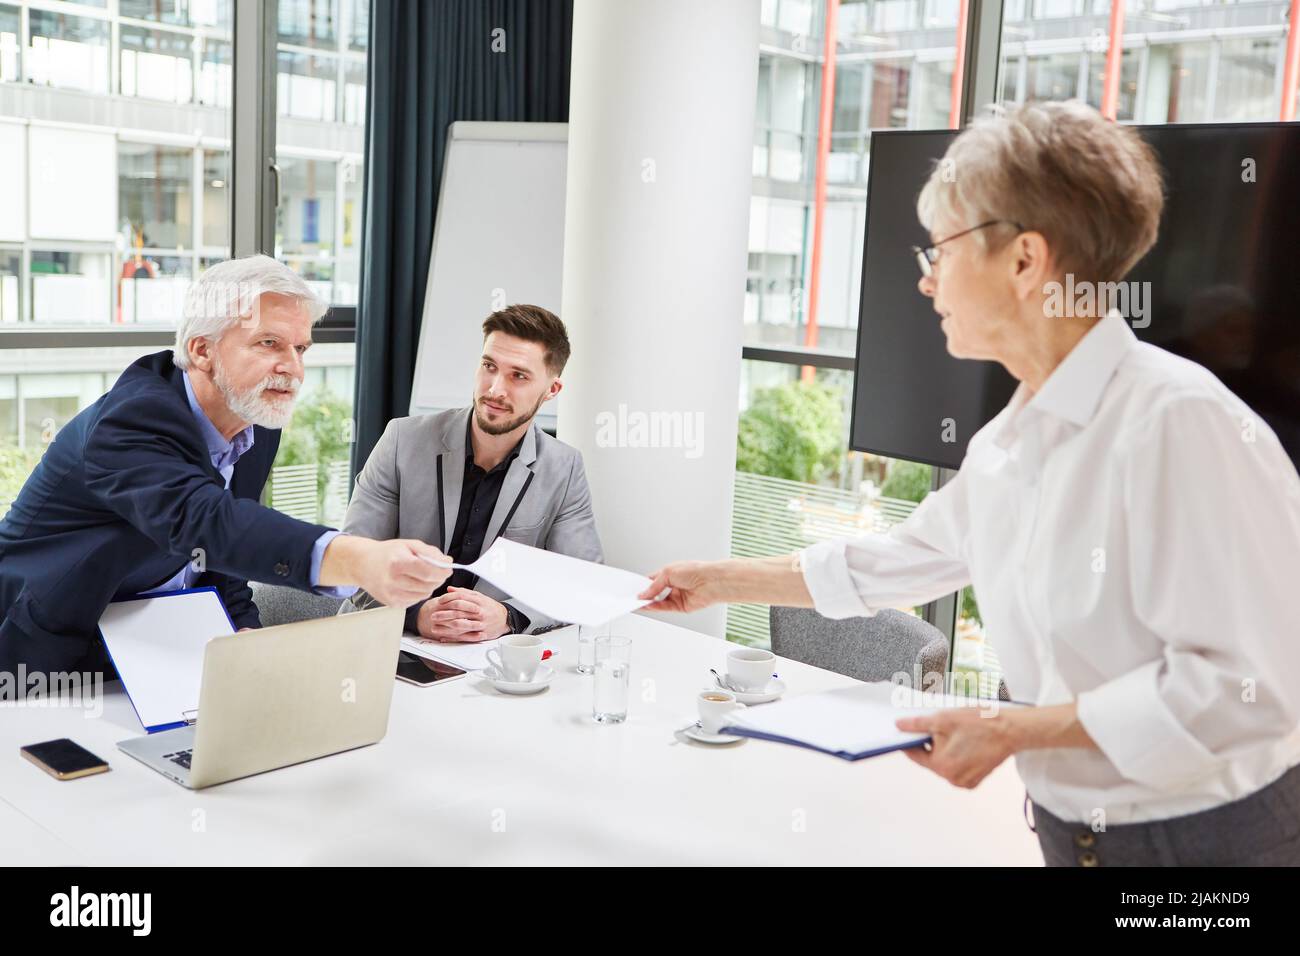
396	495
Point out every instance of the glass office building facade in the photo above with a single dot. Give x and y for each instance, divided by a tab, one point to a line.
1182	62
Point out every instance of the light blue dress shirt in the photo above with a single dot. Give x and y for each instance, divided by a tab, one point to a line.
224	454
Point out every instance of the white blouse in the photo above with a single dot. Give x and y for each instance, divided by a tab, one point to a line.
1133	534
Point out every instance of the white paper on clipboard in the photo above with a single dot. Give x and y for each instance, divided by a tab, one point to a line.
157	644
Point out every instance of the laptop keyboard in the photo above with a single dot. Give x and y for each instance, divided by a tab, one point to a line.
181	757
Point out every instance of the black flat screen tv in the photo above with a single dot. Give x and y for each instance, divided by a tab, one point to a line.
1224	285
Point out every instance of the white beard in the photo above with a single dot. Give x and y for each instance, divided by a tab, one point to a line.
250	406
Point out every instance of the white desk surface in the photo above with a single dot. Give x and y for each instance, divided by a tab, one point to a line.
469	776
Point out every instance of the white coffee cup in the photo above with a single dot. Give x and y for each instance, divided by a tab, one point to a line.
715	707
517	657
749	669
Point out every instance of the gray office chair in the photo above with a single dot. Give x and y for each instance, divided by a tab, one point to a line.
865	648
281	605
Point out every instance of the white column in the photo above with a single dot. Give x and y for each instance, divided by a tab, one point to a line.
661	126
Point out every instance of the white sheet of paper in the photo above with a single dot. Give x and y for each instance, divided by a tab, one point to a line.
565	588
157	647
850	719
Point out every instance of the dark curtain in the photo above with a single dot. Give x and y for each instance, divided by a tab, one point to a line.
432	63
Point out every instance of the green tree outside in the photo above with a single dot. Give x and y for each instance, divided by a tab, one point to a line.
15	465
907	481
791	431
321	431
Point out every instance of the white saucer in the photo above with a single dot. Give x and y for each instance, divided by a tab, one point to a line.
696	732
774	689
541	680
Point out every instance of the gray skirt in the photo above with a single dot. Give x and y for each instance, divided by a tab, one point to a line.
1262	829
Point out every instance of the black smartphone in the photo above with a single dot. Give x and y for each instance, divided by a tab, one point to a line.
423	672
63	759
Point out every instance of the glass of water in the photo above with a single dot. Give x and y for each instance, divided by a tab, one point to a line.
613	666
587	634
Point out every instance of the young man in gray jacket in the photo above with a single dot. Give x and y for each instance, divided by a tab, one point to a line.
459	479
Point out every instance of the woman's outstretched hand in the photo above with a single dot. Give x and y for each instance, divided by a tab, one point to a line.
690	586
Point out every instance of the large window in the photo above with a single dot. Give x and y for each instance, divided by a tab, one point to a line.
115	165
320	92
796	481
893	70
98	194
321	97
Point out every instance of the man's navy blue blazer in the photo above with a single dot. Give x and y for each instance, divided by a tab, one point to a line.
121	499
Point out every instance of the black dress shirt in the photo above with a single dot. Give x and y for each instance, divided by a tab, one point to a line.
479	492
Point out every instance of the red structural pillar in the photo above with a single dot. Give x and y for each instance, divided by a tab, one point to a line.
1291	69
958	67
825	115
1114	59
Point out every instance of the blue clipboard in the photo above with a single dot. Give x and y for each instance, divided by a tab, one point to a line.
162	595
741	731
842	754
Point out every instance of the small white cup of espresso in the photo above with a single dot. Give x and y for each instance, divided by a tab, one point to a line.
715	707
749	669
517	657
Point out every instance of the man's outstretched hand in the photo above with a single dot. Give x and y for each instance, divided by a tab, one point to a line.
396	573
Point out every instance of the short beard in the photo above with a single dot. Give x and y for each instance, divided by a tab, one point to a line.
249	405
505	427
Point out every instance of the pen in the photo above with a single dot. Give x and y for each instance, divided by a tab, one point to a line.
437	564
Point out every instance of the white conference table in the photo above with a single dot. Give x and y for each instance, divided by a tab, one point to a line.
470	776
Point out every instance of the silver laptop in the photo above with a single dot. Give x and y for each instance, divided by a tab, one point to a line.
281	695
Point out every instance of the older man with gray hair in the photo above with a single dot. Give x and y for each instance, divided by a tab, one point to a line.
155	486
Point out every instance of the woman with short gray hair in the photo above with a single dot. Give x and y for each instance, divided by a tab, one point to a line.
1132	528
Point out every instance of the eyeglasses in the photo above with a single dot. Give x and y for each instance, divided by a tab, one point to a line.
927	256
